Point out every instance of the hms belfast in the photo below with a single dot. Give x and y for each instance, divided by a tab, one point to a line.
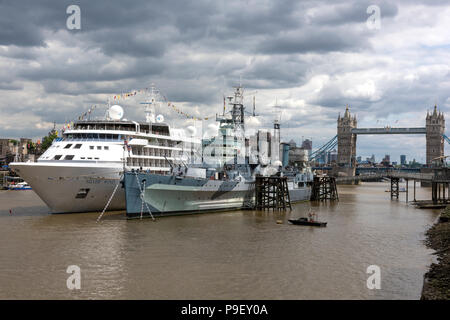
225	178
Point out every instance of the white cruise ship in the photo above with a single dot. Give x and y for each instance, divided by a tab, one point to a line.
80	171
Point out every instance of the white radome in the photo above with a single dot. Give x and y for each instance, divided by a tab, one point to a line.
115	112
278	163
159	118
191	130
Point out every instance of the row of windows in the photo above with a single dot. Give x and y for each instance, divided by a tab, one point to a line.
67	157
70	157
78	146
92	136
99	147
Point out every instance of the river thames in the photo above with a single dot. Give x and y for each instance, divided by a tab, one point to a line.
229	255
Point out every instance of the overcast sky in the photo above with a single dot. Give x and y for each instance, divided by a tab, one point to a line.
312	58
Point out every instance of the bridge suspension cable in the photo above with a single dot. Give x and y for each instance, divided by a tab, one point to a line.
323	149
446	138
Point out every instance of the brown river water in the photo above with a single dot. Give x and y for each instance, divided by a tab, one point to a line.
229	255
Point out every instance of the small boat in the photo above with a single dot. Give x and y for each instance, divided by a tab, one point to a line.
19	186
310	221
306	222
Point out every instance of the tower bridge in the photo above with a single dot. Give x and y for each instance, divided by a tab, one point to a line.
347	132
389	130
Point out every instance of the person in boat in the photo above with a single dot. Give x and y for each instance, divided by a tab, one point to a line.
311	216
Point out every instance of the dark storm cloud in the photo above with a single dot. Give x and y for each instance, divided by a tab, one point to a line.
122	42
276	72
314	40
22	22
10	86
252	18
88	70
137	38
75	88
117	27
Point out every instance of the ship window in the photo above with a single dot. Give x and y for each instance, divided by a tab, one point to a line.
83	158
106	148
102	136
91	147
68	146
69	157
82	193
89	158
77	146
57	157
96	158
99	148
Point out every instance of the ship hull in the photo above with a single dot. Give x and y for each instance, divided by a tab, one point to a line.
169	195
59	185
74	188
298	194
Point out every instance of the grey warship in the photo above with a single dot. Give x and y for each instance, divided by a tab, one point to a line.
225	179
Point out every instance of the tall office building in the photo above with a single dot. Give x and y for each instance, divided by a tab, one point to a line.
402	159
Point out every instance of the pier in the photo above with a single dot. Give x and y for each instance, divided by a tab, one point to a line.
272	193
324	188
439	178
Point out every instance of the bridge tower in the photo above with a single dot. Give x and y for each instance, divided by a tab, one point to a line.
435	127
346	140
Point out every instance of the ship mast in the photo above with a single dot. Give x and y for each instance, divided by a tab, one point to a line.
237	110
152	101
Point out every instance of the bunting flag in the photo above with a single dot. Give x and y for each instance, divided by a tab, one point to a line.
179	111
134	93
129	94
87	113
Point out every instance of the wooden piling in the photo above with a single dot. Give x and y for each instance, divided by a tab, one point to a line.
324	188
272	193
407	190
394	187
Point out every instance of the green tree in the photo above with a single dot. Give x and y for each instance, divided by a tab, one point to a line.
48	140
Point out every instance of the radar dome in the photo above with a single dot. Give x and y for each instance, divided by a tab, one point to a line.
115	112
191	130
278	163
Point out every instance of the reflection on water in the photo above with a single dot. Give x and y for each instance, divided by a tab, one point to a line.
231	255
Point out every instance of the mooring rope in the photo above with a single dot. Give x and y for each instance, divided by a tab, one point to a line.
142	190
110	199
